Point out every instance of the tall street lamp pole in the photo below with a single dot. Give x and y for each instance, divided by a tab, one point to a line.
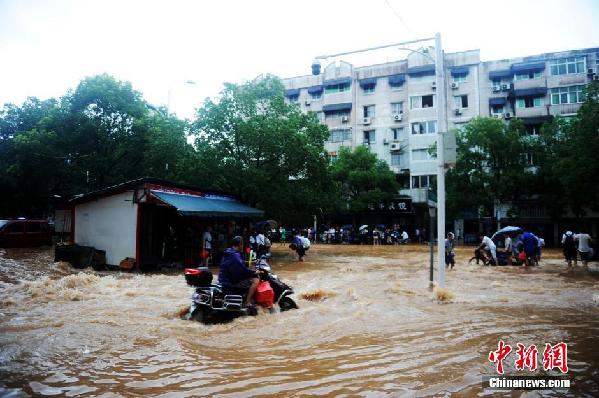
441	130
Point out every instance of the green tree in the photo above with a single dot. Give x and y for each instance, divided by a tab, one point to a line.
364	179
568	159
266	151
490	165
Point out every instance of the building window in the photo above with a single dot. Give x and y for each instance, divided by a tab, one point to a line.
422	101
320	116
529	102
460	79
421	154
567	95
369	111
528	76
337	88
497	110
293	99
532	129
369	137
368	89
566	66
396	133
396	159
333	157
529	159
339	135
316	96
423	181
460	101
336	114
429	127
396	108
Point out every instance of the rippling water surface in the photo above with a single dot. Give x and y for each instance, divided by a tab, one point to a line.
376	332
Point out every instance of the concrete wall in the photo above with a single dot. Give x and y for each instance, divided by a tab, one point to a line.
108	224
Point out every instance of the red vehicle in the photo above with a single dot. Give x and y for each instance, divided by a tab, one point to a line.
25	233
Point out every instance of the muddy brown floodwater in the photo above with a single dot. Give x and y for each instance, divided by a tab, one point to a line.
375	332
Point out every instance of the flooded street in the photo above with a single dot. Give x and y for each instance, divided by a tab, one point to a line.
375	332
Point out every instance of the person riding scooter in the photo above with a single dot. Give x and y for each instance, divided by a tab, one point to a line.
234	275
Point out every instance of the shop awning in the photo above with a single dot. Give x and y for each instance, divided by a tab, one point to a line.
423	70
528	67
207	206
497	101
369	82
499	74
531	92
346	106
397	80
294	92
336	82
459	71
315	89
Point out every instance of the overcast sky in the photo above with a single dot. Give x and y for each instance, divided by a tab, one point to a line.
46	47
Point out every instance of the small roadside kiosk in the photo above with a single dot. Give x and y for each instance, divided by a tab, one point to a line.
157	222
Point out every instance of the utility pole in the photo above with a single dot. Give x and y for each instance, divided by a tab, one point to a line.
441	130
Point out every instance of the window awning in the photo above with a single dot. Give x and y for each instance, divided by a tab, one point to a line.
498	74
531	92
459	71
397	80
346	106
294	92
315	89
206	206
369	82
497	101
423	70
336	82
528	67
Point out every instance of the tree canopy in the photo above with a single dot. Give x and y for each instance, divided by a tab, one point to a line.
364	179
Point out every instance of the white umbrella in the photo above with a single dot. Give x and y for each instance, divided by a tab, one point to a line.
363	227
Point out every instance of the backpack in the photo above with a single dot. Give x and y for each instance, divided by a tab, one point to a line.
305	242
569	242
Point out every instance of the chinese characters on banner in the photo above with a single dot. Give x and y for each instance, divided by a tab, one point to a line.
393	206
554	356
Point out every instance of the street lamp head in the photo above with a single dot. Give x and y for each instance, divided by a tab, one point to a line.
190	82
316	67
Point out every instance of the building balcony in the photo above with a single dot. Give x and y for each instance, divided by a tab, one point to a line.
530	112
564	109
418	195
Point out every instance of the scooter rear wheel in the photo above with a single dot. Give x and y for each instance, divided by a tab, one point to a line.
287	304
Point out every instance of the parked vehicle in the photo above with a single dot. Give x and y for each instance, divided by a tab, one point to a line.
25	233
210	303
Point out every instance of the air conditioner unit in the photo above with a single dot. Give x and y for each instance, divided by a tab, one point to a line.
385	142
505	86
307	102
496	88
434	85
457	111
396	146
454	85
397	117
366	120
590	71
344	119
507	115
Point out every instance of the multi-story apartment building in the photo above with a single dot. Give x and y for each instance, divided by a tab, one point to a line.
391	107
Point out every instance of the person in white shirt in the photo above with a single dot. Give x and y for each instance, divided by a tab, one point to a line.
207	244
405	237
486	242
260	244
584	246
508	248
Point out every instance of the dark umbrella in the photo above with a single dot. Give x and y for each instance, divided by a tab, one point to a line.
509	230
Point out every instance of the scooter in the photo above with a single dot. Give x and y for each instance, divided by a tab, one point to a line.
210	303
